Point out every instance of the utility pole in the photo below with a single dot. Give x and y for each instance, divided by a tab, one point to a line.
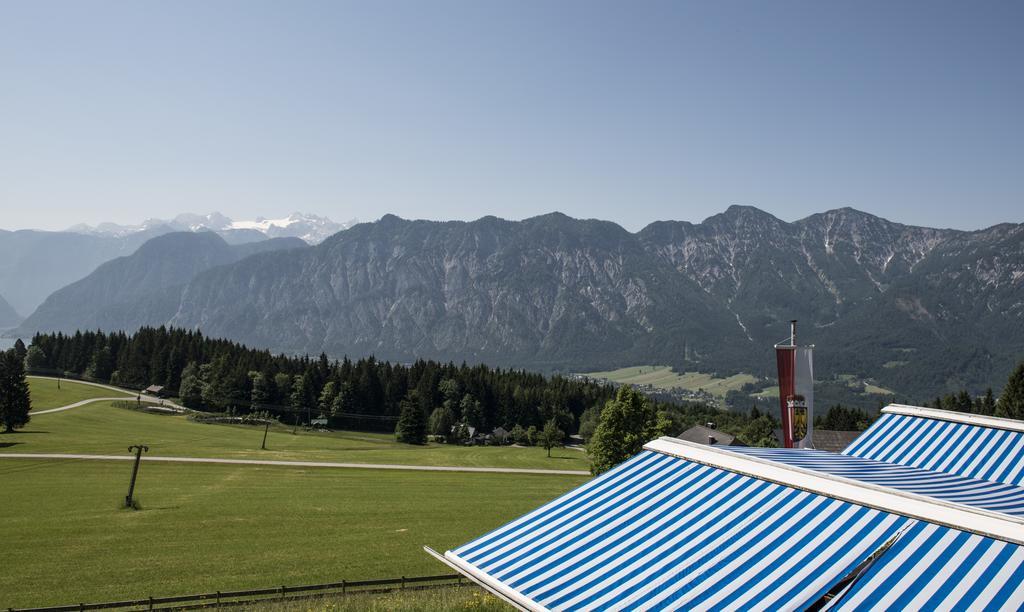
264	445
138	448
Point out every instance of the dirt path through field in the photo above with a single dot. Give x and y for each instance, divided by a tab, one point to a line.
315	464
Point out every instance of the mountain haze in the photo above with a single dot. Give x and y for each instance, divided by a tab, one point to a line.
310	228
145	287
8	316
34	264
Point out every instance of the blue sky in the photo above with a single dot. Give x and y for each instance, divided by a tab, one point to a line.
628	111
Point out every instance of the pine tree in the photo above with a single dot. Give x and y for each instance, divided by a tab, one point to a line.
101	364
472	412
15	402
1011	402
19	349
412	423
343	401
261	393
35	358
988	403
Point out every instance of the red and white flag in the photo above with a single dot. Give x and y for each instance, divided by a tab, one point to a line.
796	394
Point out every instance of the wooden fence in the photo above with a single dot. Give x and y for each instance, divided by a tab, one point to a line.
281	593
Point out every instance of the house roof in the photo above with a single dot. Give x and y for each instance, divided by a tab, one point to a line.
834	440
987	448
831	440
685	525
700	434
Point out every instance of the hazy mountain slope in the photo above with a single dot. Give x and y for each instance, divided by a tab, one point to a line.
34	264
144	287
8	316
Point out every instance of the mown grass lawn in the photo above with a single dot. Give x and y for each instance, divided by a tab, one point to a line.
217	527
45	393
101	428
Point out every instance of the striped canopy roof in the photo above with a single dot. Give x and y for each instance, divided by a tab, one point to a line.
685	526
986	448
984	494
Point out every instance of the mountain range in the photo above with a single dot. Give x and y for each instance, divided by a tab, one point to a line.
34	263
920	310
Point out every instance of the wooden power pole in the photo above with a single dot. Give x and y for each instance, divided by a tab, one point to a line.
138	448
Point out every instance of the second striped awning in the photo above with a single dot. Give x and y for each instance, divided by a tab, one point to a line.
684	526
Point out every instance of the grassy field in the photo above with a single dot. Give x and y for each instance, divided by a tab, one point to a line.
101	428
663	377
207	527
45	393
216	527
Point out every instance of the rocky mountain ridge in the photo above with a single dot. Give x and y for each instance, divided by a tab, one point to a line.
922	310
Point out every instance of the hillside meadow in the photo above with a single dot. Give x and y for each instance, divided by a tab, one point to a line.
105	428
216	527
50	393
209	527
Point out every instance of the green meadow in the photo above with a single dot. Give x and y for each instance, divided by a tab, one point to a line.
664	377
209	527
47	394
103	428
214	527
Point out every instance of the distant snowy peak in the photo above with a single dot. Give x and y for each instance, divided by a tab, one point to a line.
311	228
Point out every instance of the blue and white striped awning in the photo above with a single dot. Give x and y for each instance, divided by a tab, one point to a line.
683	526
986	448
935	568
988	495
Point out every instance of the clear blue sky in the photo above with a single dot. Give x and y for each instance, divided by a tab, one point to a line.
628	111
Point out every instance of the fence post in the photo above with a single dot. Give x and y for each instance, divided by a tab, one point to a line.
218	599
403	583
150	602
343	587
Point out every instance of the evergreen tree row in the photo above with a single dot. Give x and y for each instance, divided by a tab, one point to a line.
1009	405
224	376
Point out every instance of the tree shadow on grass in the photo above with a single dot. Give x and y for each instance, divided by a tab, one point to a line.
8	444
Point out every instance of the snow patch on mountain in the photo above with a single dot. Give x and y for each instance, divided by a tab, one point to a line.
311	228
